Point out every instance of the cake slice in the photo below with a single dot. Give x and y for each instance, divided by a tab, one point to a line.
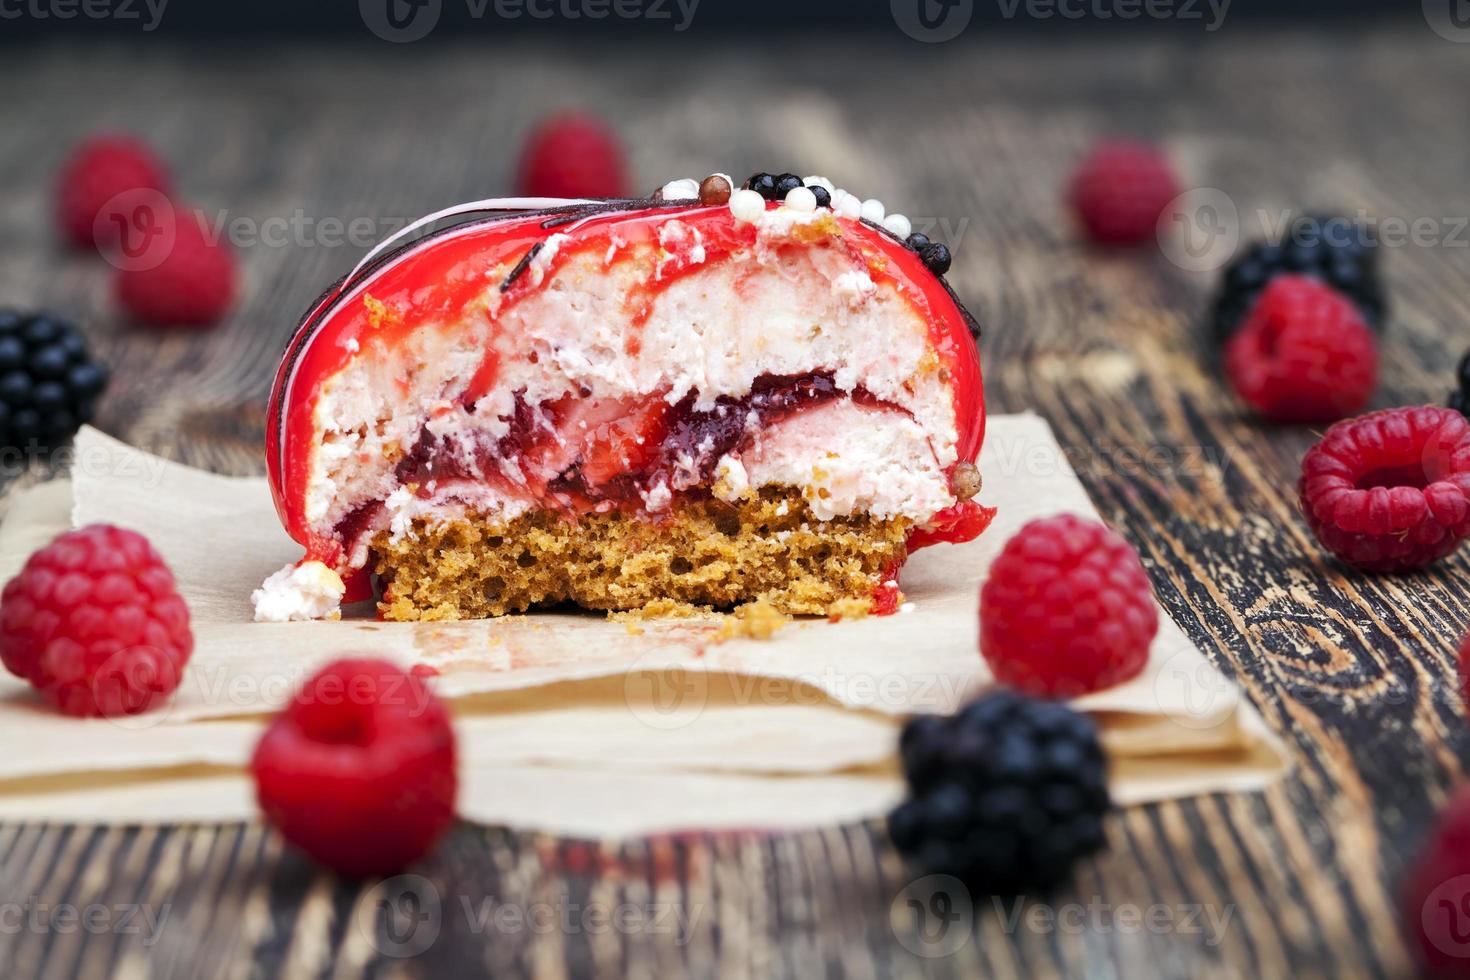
708	396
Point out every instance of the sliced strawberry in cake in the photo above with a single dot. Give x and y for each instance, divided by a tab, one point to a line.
711	399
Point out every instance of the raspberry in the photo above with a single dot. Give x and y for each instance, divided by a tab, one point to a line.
1120	190
359	769
1330	249
1066	609
1007	795
1390	491
1435	894
94	623
572	155
1303	355
98	171
189	281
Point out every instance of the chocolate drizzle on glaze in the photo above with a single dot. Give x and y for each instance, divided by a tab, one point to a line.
521	266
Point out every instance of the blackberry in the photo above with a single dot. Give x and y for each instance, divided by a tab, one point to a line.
1007	795
1460	397
48	381
1330	249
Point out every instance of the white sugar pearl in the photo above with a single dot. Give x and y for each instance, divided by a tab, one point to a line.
801	199
847	204
898	224
873	211
819	182
747	205
680	190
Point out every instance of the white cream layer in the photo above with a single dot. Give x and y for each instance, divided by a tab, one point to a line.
713	331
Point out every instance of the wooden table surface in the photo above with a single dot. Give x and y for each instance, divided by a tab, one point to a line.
974	137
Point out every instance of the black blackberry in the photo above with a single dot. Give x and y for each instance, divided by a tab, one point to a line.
48	381
1460	397
763	184
1007	795
1331	249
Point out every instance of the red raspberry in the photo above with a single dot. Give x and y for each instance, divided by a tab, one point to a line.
359	769
572	155
1390	491
1066	609
187	280
1120	190
1303	354
94	623
1435	894
94	175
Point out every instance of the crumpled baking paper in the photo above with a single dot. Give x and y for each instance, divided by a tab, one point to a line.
573	723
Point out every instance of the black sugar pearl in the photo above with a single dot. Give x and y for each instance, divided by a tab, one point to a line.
918	241
936	256
824	199
763	184
785	184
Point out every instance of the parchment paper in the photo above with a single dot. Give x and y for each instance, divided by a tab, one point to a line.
573	723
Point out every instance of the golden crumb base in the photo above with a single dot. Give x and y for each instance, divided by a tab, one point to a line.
764	547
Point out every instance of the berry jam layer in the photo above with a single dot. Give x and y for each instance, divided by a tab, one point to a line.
589	451
647	458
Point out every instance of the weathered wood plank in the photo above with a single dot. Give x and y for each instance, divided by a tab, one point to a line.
973	138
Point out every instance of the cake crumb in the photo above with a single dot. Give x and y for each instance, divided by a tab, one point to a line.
849	609
657	609
758	620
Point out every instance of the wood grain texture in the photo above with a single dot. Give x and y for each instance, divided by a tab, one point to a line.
973	138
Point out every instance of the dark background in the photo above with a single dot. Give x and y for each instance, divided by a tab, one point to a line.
226	19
